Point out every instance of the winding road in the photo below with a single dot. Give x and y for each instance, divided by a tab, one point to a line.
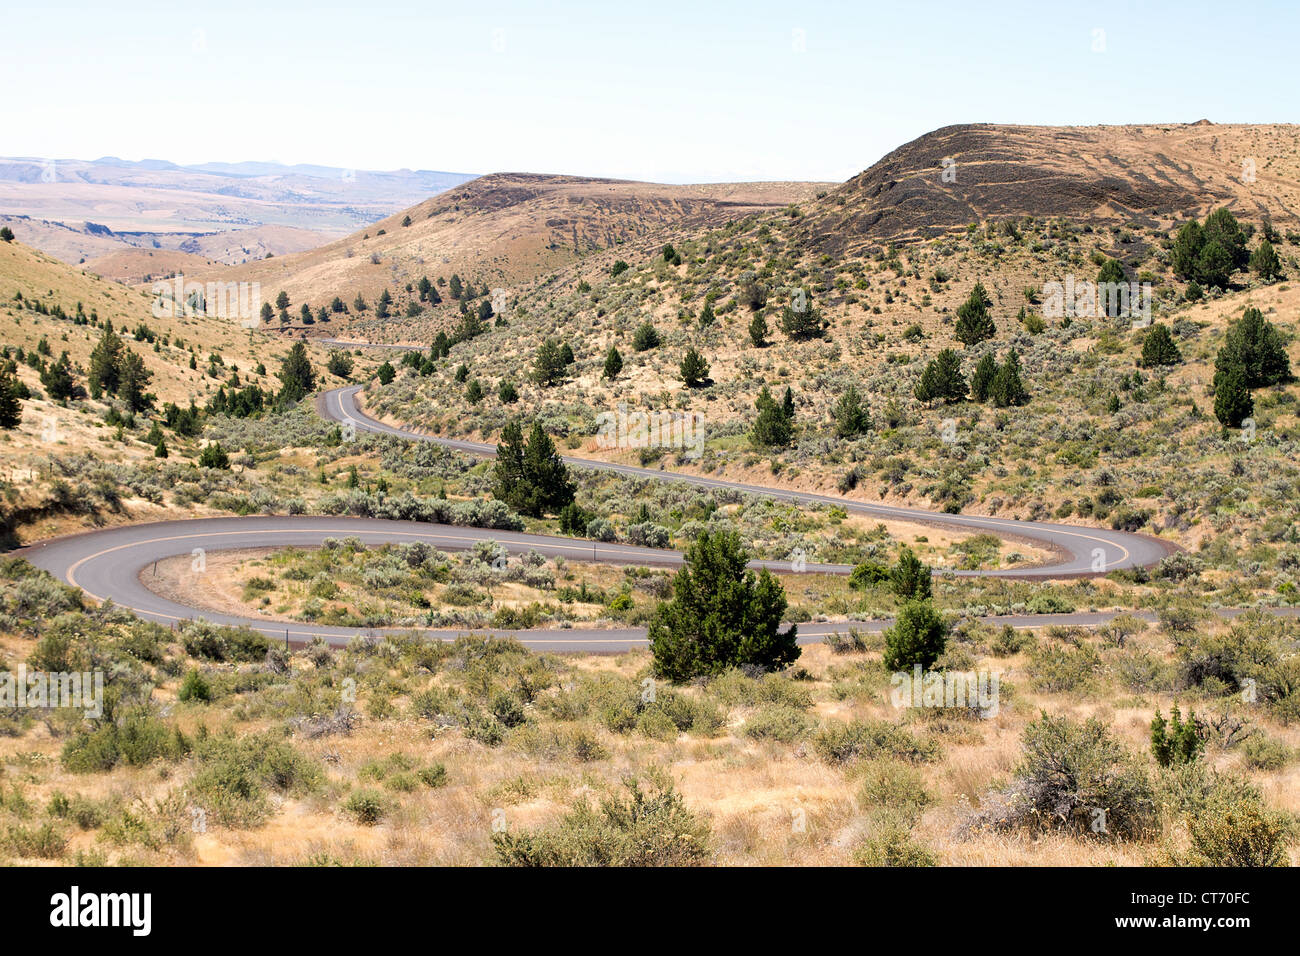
1083	552
113	562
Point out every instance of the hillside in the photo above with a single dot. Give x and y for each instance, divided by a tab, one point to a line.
507	229
1144	174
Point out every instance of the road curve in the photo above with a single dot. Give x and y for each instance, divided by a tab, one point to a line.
109	564
1082	551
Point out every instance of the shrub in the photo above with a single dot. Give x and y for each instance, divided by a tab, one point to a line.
1074	777
194	687
895	786
777	722
839	742
1240	832
890	844
650	826
365	806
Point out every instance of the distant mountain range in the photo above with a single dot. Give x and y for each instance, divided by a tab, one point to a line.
79	209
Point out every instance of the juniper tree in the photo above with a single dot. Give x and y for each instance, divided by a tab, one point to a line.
613	363
1159	348
1265	263
850	416
694	370
772	428
974	323
981	380
1008	389
721	615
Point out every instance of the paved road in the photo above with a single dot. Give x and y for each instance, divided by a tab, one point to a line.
111	563
1080	552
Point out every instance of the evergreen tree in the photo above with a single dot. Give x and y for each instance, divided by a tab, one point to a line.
1265	263
455	287
707	316
267	312
919	636
1008	389
694	370
58	380
1214	265
721	615
851	418
787	405
386	373
1256	345
758	332
1176	741
646	337
1232	400
282	301
802	324
1186	249
1111	273
613	364
1159	348
339	363
214	456
1222	227
474	392
549	367
981	380
942	380
974	323
105	374
134	378
772	428
530	477
910	578
296	375
11	409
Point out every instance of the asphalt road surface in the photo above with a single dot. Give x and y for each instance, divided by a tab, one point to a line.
116	563
1078	551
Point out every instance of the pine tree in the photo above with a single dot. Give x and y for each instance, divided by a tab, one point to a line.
1008	389
134	379
721	615
1221	227
787	405
942	379
549	367
919	636
1232	400
645	338
386	373
850	416
507	392
802	324
531	477
282	301
58	380
214	456
1186	249
910	578
296	375
104	374
694	370
613	364
758	332
1159	348
11	409
474	392
772	429
974	323
981	380
1255	344
1265	263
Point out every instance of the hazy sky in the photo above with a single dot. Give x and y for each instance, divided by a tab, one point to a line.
657	90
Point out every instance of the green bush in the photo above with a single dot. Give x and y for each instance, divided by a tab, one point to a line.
1242	832
194	687
839	742
365	806
777	722
895	786
649	826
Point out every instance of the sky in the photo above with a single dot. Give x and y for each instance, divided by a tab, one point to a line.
654	89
